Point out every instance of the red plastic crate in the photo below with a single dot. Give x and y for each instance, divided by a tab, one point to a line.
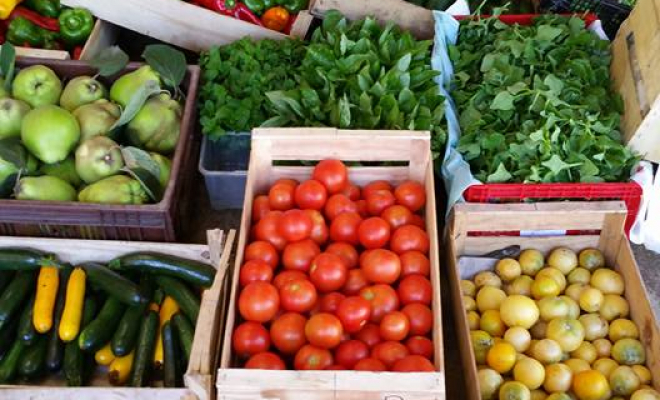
630	193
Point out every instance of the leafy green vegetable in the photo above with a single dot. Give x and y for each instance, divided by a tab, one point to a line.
361	75
236	78
536	103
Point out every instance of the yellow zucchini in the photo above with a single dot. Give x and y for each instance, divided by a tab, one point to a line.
167	309
104	356
120	369
73	306
44	302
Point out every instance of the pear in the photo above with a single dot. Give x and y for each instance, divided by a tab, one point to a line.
44	188
11	117
81	90
98	158
156	127
96	118
50	133
125	87
37	85
165	165
65	170
118	189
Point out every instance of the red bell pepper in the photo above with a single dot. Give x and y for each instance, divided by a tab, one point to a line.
51	24
77	52
230	8
242	12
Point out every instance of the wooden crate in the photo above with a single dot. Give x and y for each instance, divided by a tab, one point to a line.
635	70
183	24
104	35
270	145
199	377
606	217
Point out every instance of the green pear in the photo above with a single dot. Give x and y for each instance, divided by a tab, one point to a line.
156	127
81	90
165	165
96	118
98	158
11	117
44	188
65	170
38	86
118	189
50	133
125	87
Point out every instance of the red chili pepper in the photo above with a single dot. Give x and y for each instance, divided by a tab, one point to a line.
218	6
230	8
242	12
51	24
77	52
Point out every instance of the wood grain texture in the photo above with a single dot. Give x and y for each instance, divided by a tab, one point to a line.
103	36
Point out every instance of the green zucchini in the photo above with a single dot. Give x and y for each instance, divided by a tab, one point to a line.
186	333
9	363
7	337
16	259
33	359
5	278
55	353
18	290
126	334
144	352
159	296
170	356
100	330
75	364
114	284
194	272
185	298
26	331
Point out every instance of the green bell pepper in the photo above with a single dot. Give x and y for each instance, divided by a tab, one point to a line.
76	25
256	6
47	8
22	31
269	4
295	6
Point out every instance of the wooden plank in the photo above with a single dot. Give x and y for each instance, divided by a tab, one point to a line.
41	393
42	53
418	20
103	36
302	24
479	245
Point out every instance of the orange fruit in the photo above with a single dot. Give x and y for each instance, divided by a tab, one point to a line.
538	394
586	352
508	269
481	343
613	307
501	357
591	299
579	275
563	259
576	365
645	394
544	286
514	391
531	261
468	288
591	259
591	385
473	320
603	347
569	333
624	381
575	290
555	274
487	278
529	372
517	310
491	322
605	366
489	383
622	329
521	285
607	281
643	373
546	351
519	338
595	327
628	352
490	298
558	378
469	303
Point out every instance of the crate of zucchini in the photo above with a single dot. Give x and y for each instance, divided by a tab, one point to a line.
94	313
134	192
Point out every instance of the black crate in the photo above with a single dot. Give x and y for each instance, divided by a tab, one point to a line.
611	13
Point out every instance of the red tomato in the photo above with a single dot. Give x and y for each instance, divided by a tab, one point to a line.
379	200
411	194
383	299
298	296
268	229
288	276
394	326
369	335
415	289
255	271
370	364
375	186
420	346
320	231
264	251
286	181
259	302
265	360
389	352
330	302
312	358
352	192
374	233
338	204
413	363
311	195
354	313
299	255
381	266
355	282
324	330
415	263
280	196
295	225
260	207
350	352
332	174
420	317
288	332
336	367
250	338
362	208
418	221
328	272
397	216
344	228
346	252
364	255
409	237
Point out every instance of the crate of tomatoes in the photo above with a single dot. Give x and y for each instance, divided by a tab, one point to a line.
336	288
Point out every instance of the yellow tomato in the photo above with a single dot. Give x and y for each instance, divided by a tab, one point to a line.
591	259
607	281
529	372
624	381
531	261
622	329
491	322
489	383
501	357
569	333
519	338
595	327
591	299
514	391
487	278
558	378
591	385
586	352
605	366
468	288
517	310
490	298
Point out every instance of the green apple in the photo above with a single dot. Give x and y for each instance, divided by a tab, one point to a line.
80	91
37	85
156	127
118	189
50	133
65	170
44	188
96	118
98	158
125	87
11	117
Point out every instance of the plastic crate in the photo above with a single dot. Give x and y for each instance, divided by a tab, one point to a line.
610	12
73	220
630	193
224	165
